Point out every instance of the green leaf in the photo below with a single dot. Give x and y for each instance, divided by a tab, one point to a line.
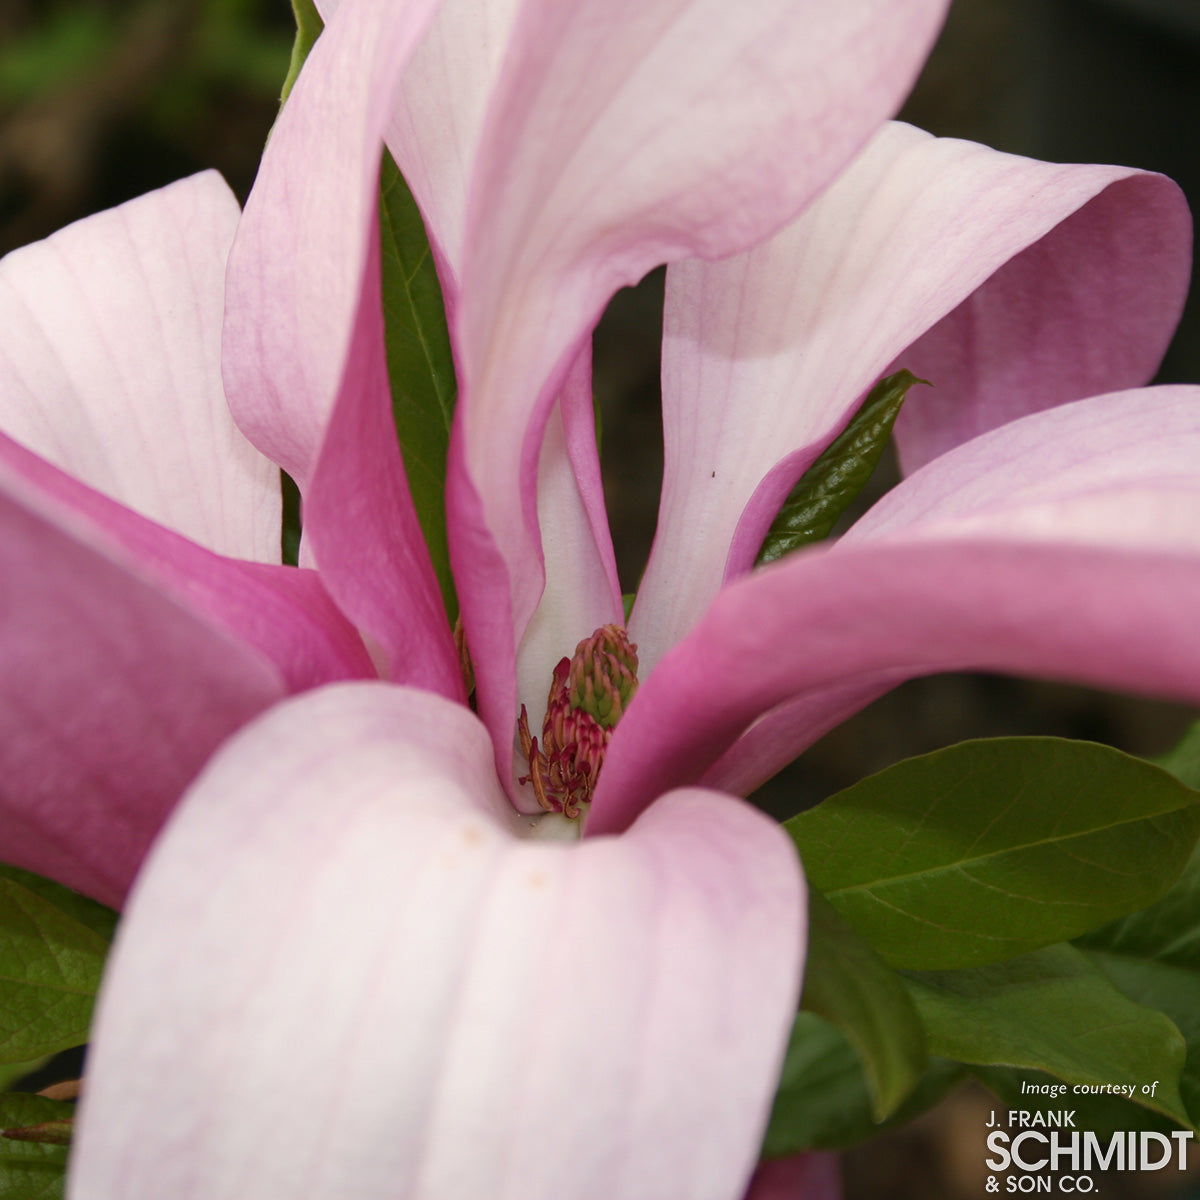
1052	1011
824	1101
308	29
289	542
31	1170
52	948
827	488
420	363
1184	760
1154	958
847	983
65	46
989	849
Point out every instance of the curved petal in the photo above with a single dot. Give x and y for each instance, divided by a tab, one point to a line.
582	592
283	613
435	131
813	1176
438	119
361	525
112	695
304	358
1059	282
595	1020
622	134
110	343
1064	545
299	261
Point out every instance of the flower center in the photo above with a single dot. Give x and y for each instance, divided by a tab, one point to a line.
588	694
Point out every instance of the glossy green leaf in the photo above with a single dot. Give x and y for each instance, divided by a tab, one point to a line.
1103	1115
847	983
824	1101
31	1170
308	29
53	944
827	488
420	363
1154	958
989	849
1052	1011
1184	760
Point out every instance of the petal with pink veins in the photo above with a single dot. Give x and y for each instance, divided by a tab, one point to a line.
435	130
441	1008
1063	545
304	350
113	695
110	344
283	613
1038	284
438	117
298	265
360	523
582	592
620	135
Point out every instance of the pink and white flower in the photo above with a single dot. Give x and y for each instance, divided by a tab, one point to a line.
352	966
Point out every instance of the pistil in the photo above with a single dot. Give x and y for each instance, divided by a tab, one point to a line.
588	694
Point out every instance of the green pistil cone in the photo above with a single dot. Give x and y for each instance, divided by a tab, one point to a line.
603	675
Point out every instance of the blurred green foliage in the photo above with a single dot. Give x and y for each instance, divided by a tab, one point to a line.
103	99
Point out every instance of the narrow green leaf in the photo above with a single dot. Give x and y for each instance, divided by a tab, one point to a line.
53	944
289	542
308	29
827	488
420	363
847	983
1053	1011
31	1170
1154	958
989	849
824	1101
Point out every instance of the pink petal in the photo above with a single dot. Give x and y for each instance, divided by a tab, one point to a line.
442	101
435	130
110	341
304	359
297	267
621	134
283	613
582	592
1066	545
112	695
1089	309
475	1014
803	1177
1061	281
360	523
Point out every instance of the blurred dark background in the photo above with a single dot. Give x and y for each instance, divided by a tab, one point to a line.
101	100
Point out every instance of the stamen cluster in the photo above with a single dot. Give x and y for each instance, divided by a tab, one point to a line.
588	694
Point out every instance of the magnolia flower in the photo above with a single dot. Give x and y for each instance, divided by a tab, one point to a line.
355	965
